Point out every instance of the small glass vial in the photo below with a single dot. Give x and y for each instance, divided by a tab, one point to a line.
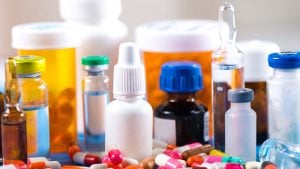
240	125
34	102
13	121
181	119
283	96
95	100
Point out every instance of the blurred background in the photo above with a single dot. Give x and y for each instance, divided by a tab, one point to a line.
273	20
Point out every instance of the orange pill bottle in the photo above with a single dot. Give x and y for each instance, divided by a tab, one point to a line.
55	42
177	40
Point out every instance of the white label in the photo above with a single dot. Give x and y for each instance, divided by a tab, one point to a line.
165	130
206	126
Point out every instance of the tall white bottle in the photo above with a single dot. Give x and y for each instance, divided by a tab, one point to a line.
98	24
129	118
240	125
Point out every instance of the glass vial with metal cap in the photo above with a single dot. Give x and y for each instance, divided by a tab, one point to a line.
95	100
240	125
181	119
34	102
13	121
283	96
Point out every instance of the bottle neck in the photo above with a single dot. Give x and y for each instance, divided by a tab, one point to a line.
187	97
93	73
33	75
129	98
240	106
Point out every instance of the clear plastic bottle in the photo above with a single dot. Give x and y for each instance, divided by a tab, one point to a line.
95	100
34	102
181	119
129	118
283	154
240	125
283	96
13	121
227	72
97	23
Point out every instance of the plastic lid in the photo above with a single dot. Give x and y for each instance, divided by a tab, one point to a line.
256	53
240	95
44	35
181	77
284	60
178	36
89	9
95	60
129	72
29	64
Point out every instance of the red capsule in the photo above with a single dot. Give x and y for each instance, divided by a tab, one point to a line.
86	159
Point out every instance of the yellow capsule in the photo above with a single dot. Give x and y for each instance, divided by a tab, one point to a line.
215	152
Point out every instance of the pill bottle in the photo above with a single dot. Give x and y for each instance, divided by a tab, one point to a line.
129	117
240	125
34	102
55	42
283	97
95	100
175	40
256	73
181	119
101	31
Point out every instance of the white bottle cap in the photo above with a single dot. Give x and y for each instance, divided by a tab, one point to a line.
178	36
129	72
256	53
44	35
89	9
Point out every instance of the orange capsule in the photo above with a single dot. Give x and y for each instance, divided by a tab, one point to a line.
37	165
16	163
73	167
134	167
195	159
73	149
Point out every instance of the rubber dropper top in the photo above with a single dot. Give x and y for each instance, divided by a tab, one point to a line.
227	22
129	72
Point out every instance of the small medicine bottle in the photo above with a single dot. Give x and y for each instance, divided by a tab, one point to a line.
240	125
34	102
181	119
95	100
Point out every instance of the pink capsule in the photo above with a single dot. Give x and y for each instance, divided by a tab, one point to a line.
212	159
172	153
115	156
86	159
188	147
233	166
170	163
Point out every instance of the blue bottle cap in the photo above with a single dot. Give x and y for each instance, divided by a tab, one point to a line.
181	77
240	95
284	60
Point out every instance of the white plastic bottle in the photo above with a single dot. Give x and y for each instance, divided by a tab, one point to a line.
129	118
240	125
101	31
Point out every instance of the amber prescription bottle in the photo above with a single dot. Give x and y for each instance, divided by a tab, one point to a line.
181	119
175	40
55	42
256	73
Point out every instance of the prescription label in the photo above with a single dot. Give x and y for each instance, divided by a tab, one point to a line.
165	130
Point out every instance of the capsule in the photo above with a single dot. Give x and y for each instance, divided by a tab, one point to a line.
233	166
74	148
224	159
73	167
215	152
181	149
99	166
198	150
134	167
253	165
36	159
129	161
268	165
148	163
195	159
86	159
44	164
17	163
160	144
170	163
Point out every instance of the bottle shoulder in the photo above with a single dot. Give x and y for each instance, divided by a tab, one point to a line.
138	105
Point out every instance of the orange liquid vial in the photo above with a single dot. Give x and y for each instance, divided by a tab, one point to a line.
56	43
177	40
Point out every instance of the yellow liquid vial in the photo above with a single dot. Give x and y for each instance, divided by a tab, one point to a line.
60	79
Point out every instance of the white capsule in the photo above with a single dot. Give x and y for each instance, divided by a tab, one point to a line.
164	160
99	166
37	159
253	165
159	144
53	164
129	161
188	147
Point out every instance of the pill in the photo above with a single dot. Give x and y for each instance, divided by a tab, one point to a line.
134	167
115	156
45	164
73	167
233	166
99	166
36	159
181	149
161	144
198	166
195	159
253	165
86	159
268	165
209	166
170	163
9	166
74	148
16	163
198	150
224	159
129	161
172	153
215	152
148	163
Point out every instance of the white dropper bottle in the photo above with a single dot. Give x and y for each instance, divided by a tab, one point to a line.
129	117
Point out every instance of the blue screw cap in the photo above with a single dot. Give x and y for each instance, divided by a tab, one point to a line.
284	60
